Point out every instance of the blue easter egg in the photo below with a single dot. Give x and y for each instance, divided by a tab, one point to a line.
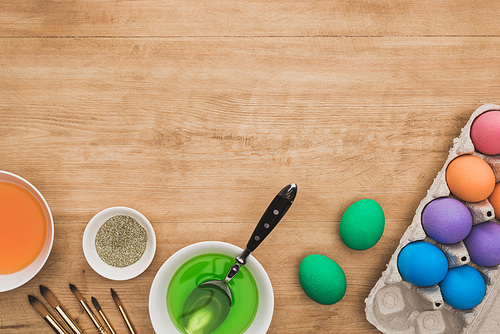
422	263
463	287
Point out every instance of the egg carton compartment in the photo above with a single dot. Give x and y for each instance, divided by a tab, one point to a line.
394	305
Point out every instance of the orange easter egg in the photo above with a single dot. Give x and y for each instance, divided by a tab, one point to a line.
470	178
495	200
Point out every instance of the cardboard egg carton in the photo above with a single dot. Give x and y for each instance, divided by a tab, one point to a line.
397	306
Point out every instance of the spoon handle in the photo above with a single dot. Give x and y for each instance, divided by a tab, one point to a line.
271	217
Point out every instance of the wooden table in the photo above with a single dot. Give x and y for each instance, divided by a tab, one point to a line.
197	112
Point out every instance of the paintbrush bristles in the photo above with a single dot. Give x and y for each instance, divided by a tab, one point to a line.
115	298
38	306
49	296
75	291
96	304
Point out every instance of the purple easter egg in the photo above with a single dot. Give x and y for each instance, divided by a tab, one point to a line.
446	220
483	244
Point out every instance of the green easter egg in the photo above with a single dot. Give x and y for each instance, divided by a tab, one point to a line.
322	279
362	224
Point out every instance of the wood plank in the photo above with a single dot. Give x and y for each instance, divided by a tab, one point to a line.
186	130
67	265
249	18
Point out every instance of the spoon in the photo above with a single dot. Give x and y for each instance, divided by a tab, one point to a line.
208	305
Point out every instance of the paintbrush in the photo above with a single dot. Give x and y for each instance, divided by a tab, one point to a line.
44	313
122	311
52	300
87	309
99	309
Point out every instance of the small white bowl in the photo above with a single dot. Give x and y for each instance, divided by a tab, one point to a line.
101	267
14	280
158	294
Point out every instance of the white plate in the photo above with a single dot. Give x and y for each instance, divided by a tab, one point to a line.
101	267
158	294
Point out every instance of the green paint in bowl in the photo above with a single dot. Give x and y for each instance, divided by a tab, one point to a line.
207	267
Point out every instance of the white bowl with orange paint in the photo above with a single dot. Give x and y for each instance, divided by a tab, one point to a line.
26	231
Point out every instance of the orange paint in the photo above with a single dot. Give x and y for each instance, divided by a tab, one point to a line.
23	228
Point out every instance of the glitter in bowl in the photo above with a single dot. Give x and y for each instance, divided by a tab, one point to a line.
121	241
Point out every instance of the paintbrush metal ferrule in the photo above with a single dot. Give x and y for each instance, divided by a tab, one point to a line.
44	313
68	320
87	309
107	322
54	302
122	312
103	316
92	317
55	325
127	321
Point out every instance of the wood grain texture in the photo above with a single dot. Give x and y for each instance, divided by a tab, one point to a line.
248	18
226	123
196	113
